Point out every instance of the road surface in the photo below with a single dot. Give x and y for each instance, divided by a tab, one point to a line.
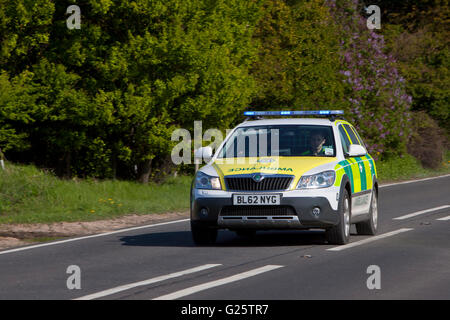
411	252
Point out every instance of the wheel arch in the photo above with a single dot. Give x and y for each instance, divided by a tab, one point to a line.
345	185
375	185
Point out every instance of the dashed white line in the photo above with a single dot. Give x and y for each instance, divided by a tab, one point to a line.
368	240
109	292
444	218
414	214
216	283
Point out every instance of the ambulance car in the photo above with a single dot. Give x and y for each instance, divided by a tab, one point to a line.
282	170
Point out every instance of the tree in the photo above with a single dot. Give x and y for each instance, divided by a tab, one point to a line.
379	104
298	65
108	95
16	111
417	33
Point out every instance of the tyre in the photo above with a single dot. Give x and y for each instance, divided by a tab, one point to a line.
203	235
340	233
370	226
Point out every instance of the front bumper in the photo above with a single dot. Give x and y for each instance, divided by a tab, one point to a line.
294	212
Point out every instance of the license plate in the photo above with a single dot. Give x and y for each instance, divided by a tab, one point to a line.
256	199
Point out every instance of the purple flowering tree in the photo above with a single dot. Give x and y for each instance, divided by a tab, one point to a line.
377	101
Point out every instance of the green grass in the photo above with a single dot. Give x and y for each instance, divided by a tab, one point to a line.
408	167
29	195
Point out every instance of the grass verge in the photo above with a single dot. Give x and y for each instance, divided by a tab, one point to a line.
407	168
29	195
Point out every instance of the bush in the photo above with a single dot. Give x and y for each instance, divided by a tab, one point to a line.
400	168
428	141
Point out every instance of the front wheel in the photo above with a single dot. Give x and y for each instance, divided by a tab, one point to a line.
340	233
203	235
369	227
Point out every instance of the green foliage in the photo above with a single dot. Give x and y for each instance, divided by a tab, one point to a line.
17	107
379	106
103	100
25	32
428	141
109	95
424	59
299	65
417	33
407	167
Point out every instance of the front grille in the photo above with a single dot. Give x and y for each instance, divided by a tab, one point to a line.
267	184
257	211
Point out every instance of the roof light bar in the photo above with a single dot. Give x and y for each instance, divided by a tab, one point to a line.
294	113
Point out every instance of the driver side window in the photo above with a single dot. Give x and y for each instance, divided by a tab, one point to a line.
344	139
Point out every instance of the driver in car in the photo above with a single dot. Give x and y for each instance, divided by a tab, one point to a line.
316	145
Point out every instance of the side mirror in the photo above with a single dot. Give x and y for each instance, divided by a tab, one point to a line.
355	150
203	153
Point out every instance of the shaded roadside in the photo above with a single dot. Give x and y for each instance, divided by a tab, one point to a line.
13	235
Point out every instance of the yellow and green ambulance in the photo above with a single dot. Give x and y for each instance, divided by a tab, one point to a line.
286	173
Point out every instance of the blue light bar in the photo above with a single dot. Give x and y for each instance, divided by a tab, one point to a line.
293	113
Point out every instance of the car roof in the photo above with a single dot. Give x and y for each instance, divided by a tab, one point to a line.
288	121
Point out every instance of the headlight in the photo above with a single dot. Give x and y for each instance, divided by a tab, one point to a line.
320	180
203	181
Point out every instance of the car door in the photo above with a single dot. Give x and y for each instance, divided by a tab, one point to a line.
353	173
363	166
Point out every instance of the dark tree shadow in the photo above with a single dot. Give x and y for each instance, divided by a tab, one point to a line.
229	239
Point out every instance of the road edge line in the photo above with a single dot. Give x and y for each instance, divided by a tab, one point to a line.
412	181
418	213
90	236
371	239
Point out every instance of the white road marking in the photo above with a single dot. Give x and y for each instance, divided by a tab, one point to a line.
91	236
216	283
444	218
146	282
371	239
414	214
412	181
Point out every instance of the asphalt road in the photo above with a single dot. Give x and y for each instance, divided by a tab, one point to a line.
162	262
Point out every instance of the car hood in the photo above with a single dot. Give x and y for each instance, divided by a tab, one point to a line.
296	166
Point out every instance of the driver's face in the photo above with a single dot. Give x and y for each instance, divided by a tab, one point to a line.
317	140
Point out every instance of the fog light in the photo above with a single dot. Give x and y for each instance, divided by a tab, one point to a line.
316	212
204	212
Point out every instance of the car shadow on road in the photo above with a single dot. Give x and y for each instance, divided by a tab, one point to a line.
228	239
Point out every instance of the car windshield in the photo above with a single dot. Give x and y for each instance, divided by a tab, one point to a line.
280	140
